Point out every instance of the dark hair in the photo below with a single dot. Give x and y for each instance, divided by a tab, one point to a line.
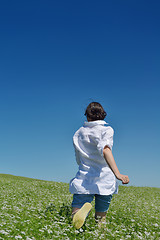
95	111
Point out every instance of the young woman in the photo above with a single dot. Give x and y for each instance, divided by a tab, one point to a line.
98	173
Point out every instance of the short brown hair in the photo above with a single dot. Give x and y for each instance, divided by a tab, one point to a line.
95	111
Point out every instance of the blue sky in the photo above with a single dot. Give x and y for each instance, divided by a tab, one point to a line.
58	56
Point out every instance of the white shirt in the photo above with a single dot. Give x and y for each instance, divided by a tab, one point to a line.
94	175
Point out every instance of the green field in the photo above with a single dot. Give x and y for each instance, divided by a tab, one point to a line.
35	209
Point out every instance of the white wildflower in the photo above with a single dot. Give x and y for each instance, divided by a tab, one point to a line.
147	233
18	237
3	232
156	225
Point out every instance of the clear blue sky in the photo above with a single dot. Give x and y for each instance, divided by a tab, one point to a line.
56	57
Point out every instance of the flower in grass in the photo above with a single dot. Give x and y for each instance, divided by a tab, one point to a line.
147	233
3	232
18	237
132	220
156	225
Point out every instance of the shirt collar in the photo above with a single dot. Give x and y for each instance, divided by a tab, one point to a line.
94	123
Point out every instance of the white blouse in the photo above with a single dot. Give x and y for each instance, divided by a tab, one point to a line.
94	175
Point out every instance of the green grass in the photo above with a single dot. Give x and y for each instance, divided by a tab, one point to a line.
35	209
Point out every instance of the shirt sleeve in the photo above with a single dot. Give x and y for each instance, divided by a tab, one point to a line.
77	156
105	140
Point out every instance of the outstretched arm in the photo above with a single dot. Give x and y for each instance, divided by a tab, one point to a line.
107	153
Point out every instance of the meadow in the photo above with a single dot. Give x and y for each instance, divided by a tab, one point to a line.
33	209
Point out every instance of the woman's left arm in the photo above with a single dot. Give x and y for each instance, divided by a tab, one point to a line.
107	153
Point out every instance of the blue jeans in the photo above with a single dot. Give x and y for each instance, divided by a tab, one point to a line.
102	202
